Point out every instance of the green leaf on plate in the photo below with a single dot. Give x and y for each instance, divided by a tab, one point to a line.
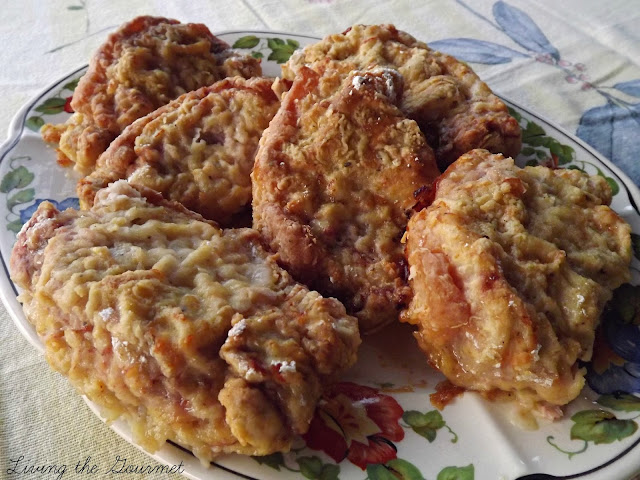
71	85
527	151
457	473
17	178
404	470
51	106
620	401
615	189
275	43
257	54
279	56
75	7
625	304
536	141
424	424
314	469
532	130
566	155
275	460
281	50
515	114
23	196
34	123
248	41
310	467
293	43
600	426
377	471
635	244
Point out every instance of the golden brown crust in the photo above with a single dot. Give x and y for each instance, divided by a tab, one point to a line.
456	110
511	269
146	63
188	332
198	150
334	179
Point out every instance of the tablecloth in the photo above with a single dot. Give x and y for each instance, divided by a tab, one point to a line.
574	62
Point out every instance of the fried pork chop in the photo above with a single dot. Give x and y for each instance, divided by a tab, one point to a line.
334	179
511	269
198	150
146	63
189	332
456	110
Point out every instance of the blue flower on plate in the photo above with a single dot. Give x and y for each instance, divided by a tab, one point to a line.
615	366
69	202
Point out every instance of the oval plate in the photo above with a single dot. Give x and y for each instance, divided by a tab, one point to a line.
379	422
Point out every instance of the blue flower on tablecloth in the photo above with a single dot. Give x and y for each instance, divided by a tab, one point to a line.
613	129
615	366
513	22
70	202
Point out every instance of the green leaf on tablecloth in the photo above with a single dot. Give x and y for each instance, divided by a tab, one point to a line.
248	41
51	106
14	226
457	473
620	401
34	123
23	196
17	178
600	426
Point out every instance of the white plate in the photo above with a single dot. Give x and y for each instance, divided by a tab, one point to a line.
470	438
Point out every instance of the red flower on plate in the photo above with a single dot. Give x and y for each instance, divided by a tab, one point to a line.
67	105
356	422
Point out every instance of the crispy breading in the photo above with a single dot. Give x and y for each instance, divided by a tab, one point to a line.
189	332
198	150
146	63
334	180
511	269
456	110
